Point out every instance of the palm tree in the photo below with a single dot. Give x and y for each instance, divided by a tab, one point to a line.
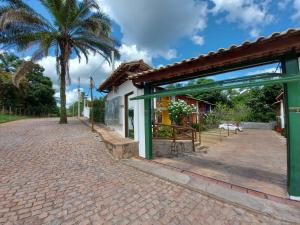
76	28
8	62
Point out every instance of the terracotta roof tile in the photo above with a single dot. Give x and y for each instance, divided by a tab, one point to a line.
219	51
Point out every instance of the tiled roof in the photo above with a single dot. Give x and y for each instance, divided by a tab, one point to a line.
219	51
120	74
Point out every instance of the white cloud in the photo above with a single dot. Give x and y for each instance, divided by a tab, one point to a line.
131	52
296	5
169	54
249	14
198	40
71	96
156	24
282	4
267	70
96	67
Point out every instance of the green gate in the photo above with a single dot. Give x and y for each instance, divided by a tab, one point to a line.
290	78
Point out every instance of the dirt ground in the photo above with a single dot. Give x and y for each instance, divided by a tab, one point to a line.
255	159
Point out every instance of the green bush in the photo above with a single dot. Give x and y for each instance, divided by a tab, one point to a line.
164	132
196	126
99	110
179	109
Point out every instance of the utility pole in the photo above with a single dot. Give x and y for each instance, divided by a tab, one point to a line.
78	97
92	103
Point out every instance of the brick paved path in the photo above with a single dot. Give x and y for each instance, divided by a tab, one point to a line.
62	174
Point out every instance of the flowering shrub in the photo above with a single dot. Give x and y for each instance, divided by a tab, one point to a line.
178	110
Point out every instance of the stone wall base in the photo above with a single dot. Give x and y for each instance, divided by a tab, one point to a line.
162	147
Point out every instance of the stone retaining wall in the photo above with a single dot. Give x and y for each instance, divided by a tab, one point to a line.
162	147
256	125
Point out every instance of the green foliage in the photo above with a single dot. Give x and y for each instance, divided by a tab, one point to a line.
73	109
214	96
253	104
9	62
220	113
196	126
240	112
99	110
224	113
179	109
131	133
7	118
35	96
76	28
39	93
164	132
261	101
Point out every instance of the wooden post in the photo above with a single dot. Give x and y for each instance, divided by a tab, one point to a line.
193	133
199	127
227	129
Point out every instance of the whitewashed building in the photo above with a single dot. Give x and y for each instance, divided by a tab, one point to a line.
124	116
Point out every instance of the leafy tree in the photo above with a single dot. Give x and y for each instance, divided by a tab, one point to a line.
99	110
39	92
73	109
213	96
9	62
77	28
10	95
261	100
35	95
176	85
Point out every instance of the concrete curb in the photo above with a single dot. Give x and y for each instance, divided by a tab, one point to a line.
283	212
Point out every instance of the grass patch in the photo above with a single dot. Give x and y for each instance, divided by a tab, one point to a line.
7	118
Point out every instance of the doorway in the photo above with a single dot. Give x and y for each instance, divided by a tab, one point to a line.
129	116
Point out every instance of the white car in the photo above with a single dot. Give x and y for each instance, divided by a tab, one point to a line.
230	126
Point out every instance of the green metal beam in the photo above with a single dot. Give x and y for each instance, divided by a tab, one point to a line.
219	70
243	82
148	123
292	113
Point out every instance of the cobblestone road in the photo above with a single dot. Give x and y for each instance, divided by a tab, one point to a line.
62	174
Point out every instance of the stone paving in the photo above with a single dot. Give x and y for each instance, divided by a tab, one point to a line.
62	174
255	159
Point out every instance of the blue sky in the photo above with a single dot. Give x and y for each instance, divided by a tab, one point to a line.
163	32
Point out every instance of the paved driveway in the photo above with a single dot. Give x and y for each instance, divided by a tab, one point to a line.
62	174
254	159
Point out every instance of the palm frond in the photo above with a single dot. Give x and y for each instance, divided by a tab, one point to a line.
21	72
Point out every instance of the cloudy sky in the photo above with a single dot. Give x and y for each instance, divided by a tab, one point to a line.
165	31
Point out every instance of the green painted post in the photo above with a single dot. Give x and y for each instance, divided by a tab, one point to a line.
292	108
148	123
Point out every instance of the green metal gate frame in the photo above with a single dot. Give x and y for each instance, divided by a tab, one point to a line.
290	78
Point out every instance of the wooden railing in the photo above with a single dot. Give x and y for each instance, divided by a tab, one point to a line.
174	132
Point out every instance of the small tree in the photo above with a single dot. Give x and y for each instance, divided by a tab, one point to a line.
240	113
99	110
178	110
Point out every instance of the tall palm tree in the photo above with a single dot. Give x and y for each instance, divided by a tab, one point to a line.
76	28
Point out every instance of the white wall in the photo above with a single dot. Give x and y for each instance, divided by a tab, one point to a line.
138	106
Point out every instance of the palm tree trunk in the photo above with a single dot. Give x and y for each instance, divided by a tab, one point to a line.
63	110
